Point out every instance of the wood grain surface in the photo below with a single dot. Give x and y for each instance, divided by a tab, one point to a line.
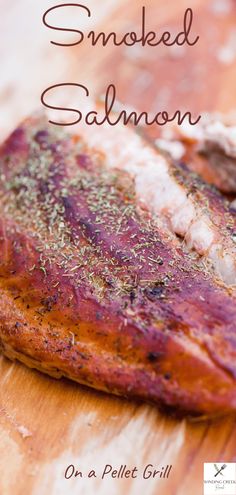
45	424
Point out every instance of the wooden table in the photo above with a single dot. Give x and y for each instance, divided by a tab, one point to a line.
45	424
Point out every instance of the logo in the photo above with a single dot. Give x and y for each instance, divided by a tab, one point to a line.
219	469
219	478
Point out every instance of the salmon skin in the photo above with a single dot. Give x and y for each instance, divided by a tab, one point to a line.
95	288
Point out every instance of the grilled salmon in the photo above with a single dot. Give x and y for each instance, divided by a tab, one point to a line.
94	284
190	208
209	150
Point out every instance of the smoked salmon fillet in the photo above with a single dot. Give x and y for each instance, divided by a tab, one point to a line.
96	287
190	208
209	149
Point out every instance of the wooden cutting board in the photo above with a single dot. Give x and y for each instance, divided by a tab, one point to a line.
47	425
